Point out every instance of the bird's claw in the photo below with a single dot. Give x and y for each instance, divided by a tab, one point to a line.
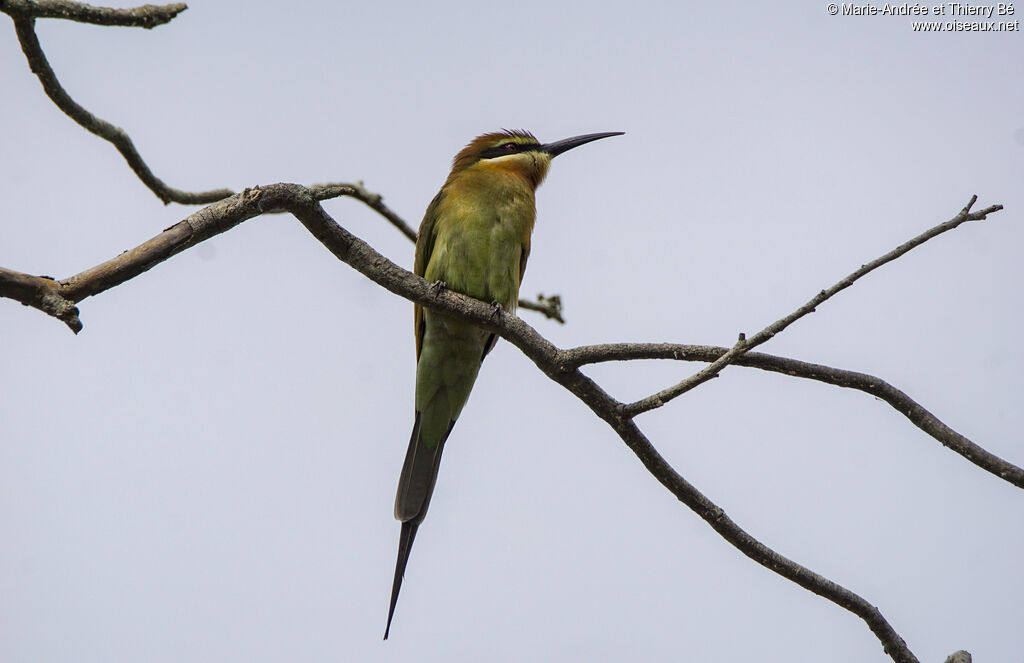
437	287
497	310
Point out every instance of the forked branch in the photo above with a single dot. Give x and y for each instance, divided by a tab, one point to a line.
746	344
25	12
869	384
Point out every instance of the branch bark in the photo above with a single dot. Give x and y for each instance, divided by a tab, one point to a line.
24	14
57	298
146	16
40	292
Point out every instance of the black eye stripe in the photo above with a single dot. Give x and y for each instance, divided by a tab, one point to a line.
506	148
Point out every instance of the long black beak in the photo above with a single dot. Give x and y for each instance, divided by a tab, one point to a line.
556	148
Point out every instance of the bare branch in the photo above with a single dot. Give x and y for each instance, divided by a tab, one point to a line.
146	16
551	306
869	384
376	202
48	295
379	269
24	23
202	225
560	366
39	292
744	344
58	298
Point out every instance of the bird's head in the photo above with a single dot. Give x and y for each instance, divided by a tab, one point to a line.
516	153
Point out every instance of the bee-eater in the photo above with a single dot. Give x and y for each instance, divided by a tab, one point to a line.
474	239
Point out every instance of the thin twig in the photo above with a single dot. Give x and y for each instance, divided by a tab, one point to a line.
744	344
376	202
24	23
900	401
551	306
146	16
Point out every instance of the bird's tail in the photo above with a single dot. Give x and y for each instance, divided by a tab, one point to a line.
405	540
415	487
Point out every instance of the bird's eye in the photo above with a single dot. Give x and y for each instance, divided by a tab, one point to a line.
511	147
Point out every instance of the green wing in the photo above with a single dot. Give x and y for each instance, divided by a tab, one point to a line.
424	248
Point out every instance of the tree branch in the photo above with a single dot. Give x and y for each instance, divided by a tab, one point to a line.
379	269
146	16
744	344
376	202
24	23
869	384
562	366
551	306
58	298
39	292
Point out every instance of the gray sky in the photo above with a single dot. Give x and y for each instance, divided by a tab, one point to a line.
207	472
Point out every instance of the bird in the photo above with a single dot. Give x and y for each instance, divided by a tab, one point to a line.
474	239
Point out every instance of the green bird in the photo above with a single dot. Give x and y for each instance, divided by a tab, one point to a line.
474	239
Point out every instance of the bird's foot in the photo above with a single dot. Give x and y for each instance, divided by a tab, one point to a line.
437	287
497	310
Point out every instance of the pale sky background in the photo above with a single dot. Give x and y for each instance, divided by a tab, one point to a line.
207	472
